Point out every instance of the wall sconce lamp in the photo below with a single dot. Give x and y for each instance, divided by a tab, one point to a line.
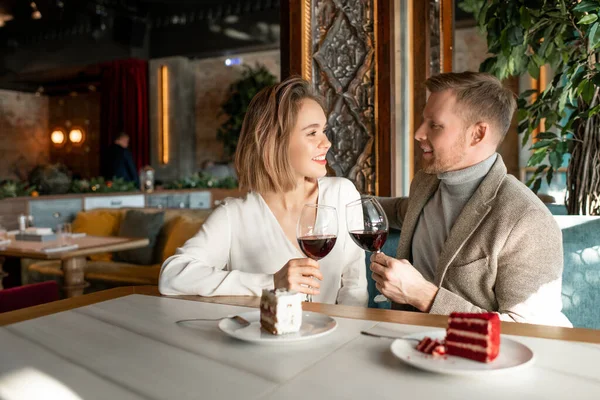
58	137
163	115
77	136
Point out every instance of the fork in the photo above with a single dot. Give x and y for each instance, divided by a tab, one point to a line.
387	336
236	318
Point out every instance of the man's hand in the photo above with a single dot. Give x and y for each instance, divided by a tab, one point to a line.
400	282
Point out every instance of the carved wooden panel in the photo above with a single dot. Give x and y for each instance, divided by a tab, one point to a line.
343	71
441	35
434	37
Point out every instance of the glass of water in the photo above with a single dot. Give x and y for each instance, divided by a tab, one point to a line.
63	234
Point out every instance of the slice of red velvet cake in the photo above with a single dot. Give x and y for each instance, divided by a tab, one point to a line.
431	346
474	336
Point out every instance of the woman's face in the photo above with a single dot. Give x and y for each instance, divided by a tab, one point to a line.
308	143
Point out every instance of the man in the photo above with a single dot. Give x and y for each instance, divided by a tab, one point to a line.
473	238
119	161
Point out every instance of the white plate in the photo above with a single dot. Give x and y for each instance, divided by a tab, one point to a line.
314	325
513	355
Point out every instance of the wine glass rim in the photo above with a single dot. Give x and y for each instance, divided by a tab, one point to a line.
319	206
363	199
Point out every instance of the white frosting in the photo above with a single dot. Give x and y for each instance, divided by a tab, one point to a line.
467	334
286	308
468	346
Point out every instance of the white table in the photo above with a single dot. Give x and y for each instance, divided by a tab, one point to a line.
131	348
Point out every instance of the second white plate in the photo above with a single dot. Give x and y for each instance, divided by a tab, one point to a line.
512	355
314	325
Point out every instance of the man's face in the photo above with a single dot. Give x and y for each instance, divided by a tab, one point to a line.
443	135
123	142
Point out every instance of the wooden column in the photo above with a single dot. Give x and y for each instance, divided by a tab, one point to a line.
344	48
433	48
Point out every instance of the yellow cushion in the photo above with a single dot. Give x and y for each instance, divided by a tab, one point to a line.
180	231
98	223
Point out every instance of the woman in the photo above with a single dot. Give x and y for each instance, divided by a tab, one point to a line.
249	244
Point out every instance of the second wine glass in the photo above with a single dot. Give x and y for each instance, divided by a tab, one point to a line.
317	231
368	227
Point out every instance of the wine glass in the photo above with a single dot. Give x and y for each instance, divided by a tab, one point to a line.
317	232
368	227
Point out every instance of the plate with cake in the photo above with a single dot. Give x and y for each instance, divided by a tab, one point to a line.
470	345
280	319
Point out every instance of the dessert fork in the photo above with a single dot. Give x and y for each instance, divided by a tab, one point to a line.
387	336
236	318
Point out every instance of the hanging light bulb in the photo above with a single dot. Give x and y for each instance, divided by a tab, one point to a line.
4	18
35	14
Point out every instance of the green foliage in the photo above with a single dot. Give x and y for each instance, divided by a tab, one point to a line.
99	185
10	188
203	181
241	93
522	36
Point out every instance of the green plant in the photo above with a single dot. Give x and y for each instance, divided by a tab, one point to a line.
51	178
524	35
99	185
203	181
10	188
241	93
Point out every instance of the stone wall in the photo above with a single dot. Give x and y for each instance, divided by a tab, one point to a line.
470	49
24	135
212	80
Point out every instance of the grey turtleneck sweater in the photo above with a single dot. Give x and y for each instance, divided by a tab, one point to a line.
441	211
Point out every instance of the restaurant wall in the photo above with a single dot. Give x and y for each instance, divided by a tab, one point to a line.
24	136
212	80
82	110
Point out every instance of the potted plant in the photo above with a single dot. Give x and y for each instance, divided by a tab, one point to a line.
241	93
523	36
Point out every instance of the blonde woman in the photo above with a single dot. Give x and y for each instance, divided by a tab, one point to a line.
249	244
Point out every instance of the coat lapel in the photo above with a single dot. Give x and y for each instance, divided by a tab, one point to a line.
470	218
425	188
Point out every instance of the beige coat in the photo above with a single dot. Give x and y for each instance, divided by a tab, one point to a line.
504	252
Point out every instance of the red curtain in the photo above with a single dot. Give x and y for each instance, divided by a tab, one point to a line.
124	107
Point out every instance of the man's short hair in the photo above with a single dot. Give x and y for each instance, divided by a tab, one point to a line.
122	135
262	153
480	96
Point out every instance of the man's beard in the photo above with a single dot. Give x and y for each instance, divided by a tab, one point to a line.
454	156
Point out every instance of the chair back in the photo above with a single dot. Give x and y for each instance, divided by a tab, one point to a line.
28	296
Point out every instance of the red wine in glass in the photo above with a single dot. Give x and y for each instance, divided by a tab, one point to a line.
317	247
317	231
371	241
368	227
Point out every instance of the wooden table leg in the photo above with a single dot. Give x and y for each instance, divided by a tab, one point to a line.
74	269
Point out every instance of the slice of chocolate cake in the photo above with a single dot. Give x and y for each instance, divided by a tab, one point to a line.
280	311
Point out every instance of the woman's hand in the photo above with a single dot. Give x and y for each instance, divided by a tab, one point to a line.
297	274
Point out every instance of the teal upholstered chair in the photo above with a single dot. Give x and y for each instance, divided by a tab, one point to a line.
389	248
581	275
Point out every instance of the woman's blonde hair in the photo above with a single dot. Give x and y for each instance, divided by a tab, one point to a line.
261	157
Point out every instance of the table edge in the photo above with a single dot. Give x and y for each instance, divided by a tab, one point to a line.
334	310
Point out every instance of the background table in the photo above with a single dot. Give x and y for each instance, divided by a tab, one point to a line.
72	261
